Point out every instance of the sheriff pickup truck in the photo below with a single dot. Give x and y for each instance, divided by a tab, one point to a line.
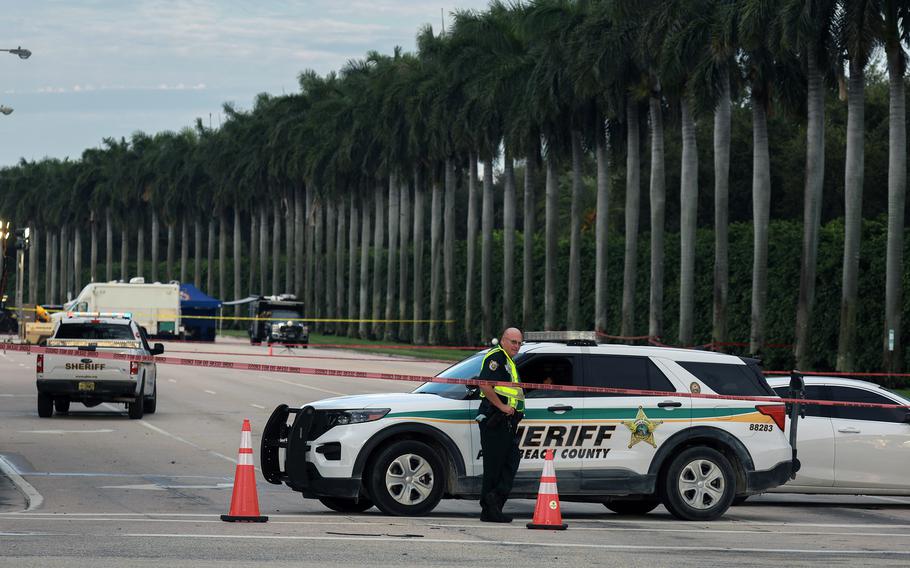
63	379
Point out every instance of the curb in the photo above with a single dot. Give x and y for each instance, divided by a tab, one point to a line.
32	497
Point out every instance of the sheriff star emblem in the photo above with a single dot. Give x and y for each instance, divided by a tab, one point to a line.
642	428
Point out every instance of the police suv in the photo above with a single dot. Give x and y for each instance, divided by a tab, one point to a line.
63	379
405	452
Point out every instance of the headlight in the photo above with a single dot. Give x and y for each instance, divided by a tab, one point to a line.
343	417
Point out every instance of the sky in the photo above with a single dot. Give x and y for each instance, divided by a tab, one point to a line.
108	68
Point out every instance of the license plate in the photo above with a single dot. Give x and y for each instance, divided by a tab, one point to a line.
86	386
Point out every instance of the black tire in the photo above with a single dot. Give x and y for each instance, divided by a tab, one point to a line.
45	405
739	500
395	461
632	506
137	407
342	505
62	405
151	402
687	501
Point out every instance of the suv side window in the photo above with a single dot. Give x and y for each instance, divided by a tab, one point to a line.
549	369
813	392
624	372
724	378
849	394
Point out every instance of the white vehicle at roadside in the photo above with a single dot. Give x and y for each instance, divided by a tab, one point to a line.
404	452
850	450
62	379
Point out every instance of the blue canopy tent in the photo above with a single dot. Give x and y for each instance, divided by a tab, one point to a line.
198	306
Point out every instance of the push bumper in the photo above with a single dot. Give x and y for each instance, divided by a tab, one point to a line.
298	473
758	481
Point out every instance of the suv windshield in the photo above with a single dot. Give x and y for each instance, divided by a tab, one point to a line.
94	331
467	369
282	315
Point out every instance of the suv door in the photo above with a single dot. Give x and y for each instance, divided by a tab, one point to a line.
872	444
638	423
552	421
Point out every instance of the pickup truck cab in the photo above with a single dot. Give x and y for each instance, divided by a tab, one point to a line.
62	379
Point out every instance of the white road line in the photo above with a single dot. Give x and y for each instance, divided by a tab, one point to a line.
307	386
171	381
65	431
891	499
210	392
21	364
696	549
259	406
187	442
31	494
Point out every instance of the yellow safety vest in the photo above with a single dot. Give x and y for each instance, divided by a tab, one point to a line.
515	396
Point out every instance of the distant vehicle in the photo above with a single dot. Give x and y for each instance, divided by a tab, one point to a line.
156	307
62	380
850	450
278	320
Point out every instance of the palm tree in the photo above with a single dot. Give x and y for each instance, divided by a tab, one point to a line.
896	32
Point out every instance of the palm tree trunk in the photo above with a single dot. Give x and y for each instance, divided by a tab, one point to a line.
276	248
264	249
155	230
391	273
486	253
253	257
528	306
77	260
435	260
109	244
289	244
897	188
52	242
815	172
378	242
140	250
419	235
353	282
761	208
184	249
448	239
308	243
340	260
33	254
363	328
687	224
471	243
601	228
93	253
633	215
722	118
197	263
508	239
71	268
237	245
575	235
404	231
171	246
658	211
48	266
329	272
222	253
853	206
319	261
210	258
552	218
64	249
299	241
124	253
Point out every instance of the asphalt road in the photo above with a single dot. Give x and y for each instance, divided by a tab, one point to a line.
94	488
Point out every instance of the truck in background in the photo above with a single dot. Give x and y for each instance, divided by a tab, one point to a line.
277	319
155	307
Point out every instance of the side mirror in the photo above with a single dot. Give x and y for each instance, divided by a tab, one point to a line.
157	349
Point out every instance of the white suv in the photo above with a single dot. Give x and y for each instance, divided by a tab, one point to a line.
404	452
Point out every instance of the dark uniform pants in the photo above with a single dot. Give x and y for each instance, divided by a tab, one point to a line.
501	457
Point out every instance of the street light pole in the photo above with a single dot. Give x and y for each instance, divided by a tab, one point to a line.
20	51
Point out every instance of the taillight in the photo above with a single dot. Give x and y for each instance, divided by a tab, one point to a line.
134	367
39	363
777	412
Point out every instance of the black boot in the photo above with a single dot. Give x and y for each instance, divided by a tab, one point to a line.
501	502
490	512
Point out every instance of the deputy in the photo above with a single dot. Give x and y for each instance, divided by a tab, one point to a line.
500	411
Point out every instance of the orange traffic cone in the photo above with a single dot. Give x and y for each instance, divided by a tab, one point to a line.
270	349
244	502
546	513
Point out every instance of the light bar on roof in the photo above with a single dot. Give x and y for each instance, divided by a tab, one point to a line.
112	315
561	336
